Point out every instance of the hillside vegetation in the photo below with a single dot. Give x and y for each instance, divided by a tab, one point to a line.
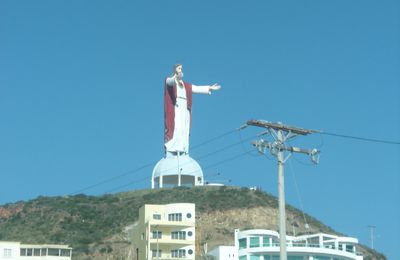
95	225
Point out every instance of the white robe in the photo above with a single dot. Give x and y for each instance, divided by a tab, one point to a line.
180	139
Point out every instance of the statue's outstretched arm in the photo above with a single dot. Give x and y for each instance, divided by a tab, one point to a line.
205	89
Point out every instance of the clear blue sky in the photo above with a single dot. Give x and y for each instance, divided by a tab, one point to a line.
81	98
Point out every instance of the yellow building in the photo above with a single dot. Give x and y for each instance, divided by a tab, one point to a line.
165	232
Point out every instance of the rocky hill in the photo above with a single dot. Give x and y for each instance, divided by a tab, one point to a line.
95	226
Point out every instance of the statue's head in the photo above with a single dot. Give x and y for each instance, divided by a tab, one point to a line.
178	71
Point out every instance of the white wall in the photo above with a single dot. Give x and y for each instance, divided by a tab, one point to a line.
6	247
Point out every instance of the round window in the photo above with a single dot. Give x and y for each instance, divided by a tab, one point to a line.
190	233
190	251
188	215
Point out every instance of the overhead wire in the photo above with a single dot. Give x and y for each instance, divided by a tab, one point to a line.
214	138
228	159
242	141
298	193
128	184
361	138
113	178
206	167
154	162
227	147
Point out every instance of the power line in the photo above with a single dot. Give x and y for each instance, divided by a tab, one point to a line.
222	149
225	147
113	178
361	138
228	159
244	140
207	167
214	138
154	162
129	183
298	194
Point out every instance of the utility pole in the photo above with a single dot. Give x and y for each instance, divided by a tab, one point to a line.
372	228
281	133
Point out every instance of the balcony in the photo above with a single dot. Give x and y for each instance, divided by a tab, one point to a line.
166	257
167	223
296	247
169	241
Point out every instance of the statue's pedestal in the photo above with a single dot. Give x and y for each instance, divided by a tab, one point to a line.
177	170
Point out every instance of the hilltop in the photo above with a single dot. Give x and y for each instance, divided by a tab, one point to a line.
95	226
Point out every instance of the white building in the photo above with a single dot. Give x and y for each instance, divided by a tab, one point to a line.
223	252
165	232
261	244
18	251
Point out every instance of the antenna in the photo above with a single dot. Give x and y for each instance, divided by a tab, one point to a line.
281	133
372	228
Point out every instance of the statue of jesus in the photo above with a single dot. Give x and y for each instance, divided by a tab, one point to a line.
178	110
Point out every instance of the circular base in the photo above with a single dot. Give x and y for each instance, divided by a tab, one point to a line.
177	170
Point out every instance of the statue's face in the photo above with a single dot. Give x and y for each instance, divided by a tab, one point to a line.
179	72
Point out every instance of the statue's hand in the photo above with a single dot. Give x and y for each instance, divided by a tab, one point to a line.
215	87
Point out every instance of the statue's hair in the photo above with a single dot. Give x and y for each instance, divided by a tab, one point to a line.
175	66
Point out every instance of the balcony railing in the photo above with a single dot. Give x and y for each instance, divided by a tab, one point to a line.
171	223
307	245
168	240
169	257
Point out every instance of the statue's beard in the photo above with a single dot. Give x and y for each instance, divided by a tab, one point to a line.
179	76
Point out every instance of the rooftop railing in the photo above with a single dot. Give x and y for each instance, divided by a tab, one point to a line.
307	245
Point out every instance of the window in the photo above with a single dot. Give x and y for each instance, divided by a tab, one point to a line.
175	217
242	243
295	257
7	252
190	251
266	241
44	251
157	234
319	257
181	235
155	254
349	248
188	215
254	257
190	233
178	253
36	252
65	252
243	257
53	251
157	216
29	252
300	243
254	242
22	252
